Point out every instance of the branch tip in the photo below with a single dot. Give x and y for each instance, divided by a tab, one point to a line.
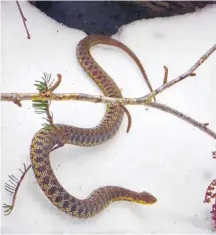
165	75
23	19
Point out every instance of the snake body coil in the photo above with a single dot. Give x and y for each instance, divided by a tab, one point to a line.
45	139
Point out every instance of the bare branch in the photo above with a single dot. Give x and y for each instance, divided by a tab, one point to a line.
165	75
190	72
202	126
74	96
145	100
101	99
23	19
13	188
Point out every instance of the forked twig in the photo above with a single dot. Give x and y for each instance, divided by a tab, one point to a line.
189	73
12	187
102	99
23	19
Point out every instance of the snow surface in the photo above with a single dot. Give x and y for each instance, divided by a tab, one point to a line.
162	154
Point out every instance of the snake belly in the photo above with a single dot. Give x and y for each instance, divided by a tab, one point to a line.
45	139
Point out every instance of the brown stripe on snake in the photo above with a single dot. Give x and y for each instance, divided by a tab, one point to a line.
44	141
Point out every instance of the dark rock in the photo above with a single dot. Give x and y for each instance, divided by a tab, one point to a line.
106	17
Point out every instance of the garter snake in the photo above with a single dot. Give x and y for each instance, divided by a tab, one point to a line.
45	139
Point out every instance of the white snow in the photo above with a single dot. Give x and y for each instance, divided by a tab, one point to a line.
162	154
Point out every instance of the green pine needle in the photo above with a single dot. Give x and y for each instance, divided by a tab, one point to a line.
42	106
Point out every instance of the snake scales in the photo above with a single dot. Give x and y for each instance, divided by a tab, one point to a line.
45	140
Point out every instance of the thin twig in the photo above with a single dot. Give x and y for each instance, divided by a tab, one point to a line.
57	83
13	189
49	117
182	116
24	20
145	100
165	75
190	72
101	99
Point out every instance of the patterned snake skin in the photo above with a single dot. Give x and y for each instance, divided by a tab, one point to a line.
46	139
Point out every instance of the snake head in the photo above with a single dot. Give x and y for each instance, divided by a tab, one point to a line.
146	198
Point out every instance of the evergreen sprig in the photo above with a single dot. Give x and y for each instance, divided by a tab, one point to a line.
42	106
45	84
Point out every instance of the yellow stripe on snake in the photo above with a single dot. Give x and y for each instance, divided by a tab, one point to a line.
46	139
